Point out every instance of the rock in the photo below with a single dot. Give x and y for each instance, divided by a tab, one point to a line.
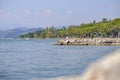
66	42
108	68
89	41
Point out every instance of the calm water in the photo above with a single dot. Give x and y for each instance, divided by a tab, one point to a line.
33	59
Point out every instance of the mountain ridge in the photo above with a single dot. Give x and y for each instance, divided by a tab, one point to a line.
14	33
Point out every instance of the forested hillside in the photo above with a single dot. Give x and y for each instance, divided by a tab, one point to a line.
104	28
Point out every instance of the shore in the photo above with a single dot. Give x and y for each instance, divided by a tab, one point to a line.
89	41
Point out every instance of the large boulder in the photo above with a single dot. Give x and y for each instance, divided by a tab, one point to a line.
107	68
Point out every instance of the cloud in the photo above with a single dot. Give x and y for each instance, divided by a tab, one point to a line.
5	16
26	11
69	12
47	12
31	18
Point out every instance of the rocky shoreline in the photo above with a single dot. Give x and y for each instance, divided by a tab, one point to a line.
89	41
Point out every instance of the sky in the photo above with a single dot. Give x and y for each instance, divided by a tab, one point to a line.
43	13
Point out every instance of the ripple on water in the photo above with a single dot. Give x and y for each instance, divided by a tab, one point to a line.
39	59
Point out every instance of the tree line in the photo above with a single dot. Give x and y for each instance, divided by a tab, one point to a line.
104	28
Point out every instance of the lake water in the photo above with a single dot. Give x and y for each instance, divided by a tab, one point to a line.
39	59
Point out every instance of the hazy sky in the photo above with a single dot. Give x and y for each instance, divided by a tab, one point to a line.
42	13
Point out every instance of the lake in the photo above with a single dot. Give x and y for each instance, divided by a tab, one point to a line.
39	59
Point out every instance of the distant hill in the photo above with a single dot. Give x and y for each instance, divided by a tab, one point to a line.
105	29
13	33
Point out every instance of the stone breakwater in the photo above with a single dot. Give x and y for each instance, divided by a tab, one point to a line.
89	41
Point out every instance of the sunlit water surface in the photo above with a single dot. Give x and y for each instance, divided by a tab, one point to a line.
39	59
